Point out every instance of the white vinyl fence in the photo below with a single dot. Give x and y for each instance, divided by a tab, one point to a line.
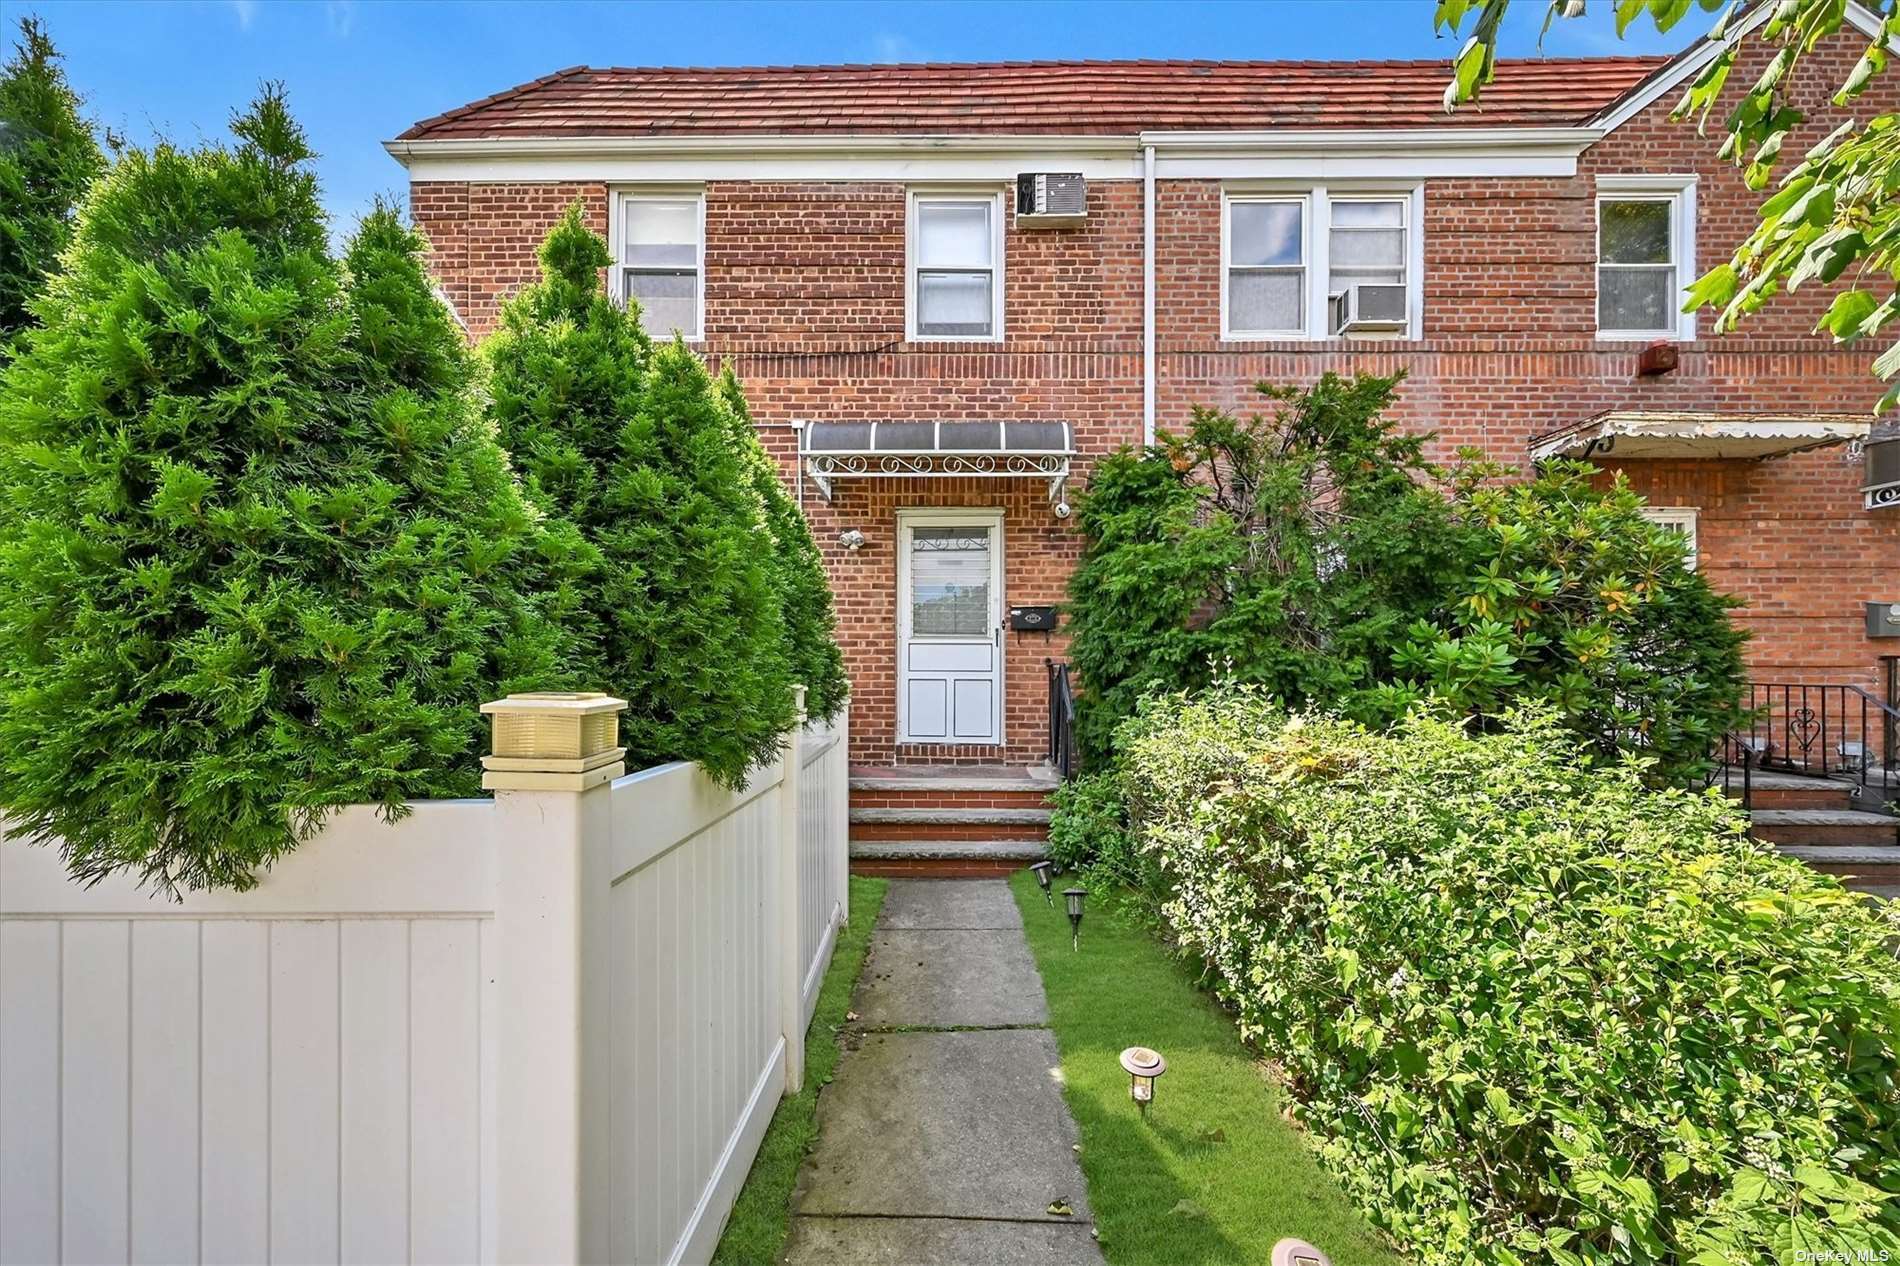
546	1027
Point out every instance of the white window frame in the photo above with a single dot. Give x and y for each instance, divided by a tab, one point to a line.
617	234
1678	516
1679	192
1316	227
1229	200
949	193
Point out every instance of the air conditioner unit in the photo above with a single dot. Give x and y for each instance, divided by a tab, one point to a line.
1369	306
1048	199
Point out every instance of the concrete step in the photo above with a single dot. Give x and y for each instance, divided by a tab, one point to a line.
1826	827
941	823
966	778
1867	866
1784	791
942	859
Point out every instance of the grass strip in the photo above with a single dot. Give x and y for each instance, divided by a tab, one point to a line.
1215	1174
762	1216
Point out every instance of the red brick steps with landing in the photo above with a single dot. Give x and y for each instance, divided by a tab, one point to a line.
957	821
1815	820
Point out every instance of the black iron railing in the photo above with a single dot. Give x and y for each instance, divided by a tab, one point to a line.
1821	731
1062	750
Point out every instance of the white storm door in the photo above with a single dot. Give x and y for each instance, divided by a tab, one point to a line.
949	647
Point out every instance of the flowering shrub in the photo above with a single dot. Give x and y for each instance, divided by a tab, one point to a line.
1534	1011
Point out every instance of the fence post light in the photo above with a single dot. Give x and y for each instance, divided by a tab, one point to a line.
1143	1066
1041	871
1074	896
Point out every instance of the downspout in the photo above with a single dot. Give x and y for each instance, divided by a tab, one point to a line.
1147	294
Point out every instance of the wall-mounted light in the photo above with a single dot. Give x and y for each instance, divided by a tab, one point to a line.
853	540
1073	898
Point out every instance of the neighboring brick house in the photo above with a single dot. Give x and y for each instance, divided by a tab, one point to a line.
849	238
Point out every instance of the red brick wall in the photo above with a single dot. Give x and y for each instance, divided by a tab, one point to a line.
805	294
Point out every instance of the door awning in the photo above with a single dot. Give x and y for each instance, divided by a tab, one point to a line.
1638	434
830	451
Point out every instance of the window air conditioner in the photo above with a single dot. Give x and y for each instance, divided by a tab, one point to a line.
1368	306
1051	198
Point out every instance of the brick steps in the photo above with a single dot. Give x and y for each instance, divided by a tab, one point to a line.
952	821
1832	827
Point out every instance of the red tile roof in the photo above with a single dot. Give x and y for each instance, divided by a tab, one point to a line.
1072	98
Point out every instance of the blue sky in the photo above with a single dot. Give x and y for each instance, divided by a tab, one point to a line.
360	72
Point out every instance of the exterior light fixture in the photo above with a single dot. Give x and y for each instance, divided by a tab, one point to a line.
1291	1252
852	540
1073	896
1143	1066
1041	871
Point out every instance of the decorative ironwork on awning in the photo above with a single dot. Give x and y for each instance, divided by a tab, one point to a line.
1660	434
831	451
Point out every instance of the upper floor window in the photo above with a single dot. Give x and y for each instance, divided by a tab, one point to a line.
1645	247
1321	262
956	267
662	261
1266	267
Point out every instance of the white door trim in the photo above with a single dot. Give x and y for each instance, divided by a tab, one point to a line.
948	517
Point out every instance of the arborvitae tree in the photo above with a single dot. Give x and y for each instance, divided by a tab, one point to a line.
257	549
48	156
635	446
799	570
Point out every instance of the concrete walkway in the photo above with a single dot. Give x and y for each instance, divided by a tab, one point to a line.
944	1138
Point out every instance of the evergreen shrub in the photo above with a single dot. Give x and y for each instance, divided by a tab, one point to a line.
635	446
260	554
48	157
1533	1011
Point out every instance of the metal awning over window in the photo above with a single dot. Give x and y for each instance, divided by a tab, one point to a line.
918	450
1634	434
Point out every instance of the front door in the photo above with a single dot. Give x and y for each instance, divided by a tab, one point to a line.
949	640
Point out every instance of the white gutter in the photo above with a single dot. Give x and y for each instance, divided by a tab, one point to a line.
1147	295
1374	142
751	146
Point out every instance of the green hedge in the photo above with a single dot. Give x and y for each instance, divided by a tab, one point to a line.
1534	1012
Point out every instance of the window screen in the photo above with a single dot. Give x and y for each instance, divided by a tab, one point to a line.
1366	244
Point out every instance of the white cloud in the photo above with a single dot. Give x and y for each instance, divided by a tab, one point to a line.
888	46
341	15
246	11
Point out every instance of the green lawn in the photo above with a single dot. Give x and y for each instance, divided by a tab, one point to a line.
762	1217
1215	1174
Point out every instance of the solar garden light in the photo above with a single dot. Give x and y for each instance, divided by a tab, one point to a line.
1041	871
1073	896
1143	1067
1291	1252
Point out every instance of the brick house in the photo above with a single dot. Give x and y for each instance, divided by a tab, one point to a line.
937	349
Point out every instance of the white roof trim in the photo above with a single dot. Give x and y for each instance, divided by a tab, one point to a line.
1634	434
749	146
1698	55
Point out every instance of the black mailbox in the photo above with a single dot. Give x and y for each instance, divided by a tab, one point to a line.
1032	619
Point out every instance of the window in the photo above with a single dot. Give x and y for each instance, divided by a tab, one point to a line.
1366	246
661	261
1644	256
1266	267
956	253
1296	261
1677	519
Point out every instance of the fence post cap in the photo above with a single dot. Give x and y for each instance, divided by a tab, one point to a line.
553	741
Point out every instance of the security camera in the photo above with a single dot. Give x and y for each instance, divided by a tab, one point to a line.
1063	510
